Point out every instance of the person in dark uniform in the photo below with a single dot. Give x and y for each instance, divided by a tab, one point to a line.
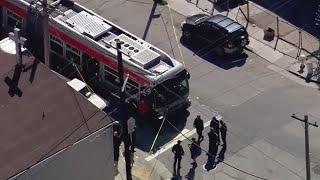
178	153
193	151
215	125
198	124
116	146
223	132
213	143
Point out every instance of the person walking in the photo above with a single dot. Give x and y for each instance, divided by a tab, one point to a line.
198	124
178	153
223	132
193	151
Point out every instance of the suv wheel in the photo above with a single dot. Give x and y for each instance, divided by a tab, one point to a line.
187	35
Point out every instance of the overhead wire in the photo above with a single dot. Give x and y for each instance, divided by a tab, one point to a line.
314	116
179	50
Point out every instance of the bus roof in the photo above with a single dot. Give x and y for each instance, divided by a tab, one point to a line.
95	31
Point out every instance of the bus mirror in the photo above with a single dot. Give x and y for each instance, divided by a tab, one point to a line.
188	75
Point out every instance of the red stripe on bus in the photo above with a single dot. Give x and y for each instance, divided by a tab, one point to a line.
21	12
96	55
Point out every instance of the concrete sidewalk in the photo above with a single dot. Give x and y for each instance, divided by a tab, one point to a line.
284	56
141	169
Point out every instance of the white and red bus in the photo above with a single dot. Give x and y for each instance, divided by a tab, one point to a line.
156	81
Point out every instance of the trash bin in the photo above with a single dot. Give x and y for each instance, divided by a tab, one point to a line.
268	34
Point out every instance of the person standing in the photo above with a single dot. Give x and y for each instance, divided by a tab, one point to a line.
198	124
213	143
178	153
223	132
116	146
215	125
193	151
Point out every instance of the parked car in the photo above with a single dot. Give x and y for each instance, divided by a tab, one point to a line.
226	35
81	87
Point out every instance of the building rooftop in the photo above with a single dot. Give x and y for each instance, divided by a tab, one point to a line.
40	114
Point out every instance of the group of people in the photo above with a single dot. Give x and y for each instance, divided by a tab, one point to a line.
217	129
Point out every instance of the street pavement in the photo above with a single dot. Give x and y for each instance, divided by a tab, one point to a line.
254	93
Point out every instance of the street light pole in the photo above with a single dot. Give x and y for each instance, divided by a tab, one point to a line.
306	135
123	113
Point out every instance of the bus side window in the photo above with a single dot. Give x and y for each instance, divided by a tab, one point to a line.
132	87
111	76
13	20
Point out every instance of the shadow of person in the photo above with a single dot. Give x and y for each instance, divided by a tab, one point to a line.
176	174
199	151
191	173
13	83
222	153
210	163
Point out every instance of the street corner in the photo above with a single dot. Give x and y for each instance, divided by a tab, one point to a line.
141	173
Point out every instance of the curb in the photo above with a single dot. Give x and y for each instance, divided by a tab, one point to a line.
302	77
156	166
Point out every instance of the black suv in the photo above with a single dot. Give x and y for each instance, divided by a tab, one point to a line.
226	35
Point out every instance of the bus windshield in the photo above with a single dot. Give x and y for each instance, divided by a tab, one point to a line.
172	89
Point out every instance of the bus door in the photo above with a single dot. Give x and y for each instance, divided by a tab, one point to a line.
90	68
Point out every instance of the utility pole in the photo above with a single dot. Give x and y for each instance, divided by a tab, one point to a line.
45	23
123	113
248	14
306	135
19	42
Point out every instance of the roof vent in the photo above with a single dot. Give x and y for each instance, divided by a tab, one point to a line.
88	24
146	58
140	55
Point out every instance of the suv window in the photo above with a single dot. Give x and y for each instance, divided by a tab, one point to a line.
239	32
204	30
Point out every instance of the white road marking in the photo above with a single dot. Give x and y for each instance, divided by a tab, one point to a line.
186	134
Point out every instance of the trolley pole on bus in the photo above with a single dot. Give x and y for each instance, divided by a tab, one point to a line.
45	24
123	113
306	135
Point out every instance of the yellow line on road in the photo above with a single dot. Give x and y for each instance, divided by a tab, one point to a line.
175	34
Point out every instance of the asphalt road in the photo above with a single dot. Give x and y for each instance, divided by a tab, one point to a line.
255	101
